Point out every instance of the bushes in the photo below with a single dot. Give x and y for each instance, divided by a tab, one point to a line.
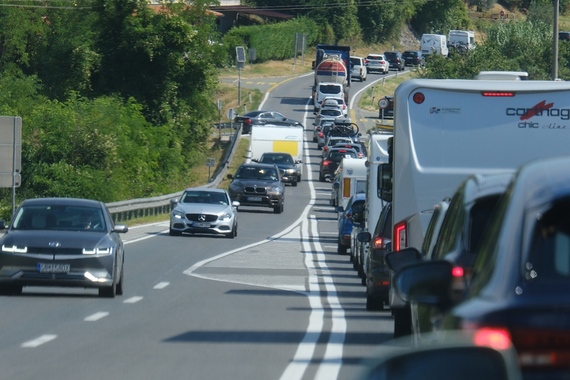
271	41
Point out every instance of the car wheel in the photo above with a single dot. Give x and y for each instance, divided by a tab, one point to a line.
341	249
374	303
233	233
174	232
8	290
278	209
402	321
108	292
119	290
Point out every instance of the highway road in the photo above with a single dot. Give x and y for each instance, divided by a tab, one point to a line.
276	302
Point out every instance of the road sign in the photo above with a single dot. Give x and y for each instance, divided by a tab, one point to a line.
240	54
211	162
231	114
10	150
383	103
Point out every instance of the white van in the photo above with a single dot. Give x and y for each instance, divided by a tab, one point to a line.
327	89
352	180
464	38
434	44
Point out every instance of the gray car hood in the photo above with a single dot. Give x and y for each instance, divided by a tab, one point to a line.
67	239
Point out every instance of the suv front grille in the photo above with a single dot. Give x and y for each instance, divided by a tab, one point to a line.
254	190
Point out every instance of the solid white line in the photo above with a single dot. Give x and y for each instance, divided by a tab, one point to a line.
96	316
133	299
161	285
38	341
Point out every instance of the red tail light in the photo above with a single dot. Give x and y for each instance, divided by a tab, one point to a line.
457	272
378	242
321	134
327	163
400	234
497	338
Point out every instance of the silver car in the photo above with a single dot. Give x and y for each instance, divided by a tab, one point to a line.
203	210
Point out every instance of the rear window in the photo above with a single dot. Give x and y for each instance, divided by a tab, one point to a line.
355	61
330	89
374	57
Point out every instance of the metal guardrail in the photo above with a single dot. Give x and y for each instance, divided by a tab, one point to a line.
143	207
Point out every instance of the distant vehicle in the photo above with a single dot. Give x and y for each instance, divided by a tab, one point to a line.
377	62
331	141
328	113
202	210
354	205
461	40
260	117
414	58
396	60
258	185
521	275
327	89
434	44
564	36
358	68
68	242
288	167
374	270
332	160
335	103
351	180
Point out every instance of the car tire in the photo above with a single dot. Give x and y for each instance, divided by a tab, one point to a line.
108	292
8	290
119	289
341	249
172	232
278	209
402	321
374	303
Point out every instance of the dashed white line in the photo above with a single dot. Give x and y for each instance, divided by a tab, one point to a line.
96	316
133	299
39	341
161	285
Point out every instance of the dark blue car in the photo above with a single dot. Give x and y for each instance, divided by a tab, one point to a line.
354	206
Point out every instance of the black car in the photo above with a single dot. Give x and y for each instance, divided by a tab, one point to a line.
414	58
332	160
289	168
521	275
260	117
62	242
376	273
564	36
396	60
258	185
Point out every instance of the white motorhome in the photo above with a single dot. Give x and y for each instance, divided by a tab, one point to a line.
434	44
274	138
464	38
445	130
352	180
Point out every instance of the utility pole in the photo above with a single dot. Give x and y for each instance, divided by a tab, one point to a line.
555	40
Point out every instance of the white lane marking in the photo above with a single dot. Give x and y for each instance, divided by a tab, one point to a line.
96	316
161	285
133	299
38	341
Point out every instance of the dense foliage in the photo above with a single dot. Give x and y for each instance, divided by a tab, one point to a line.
115	98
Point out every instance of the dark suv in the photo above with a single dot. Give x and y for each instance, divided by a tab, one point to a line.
396	60
258	185
414	58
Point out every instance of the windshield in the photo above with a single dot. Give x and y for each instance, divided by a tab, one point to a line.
48	217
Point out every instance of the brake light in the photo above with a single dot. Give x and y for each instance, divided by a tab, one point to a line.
321	134
378	242
498	93
457	272
327	163
400	232
497	338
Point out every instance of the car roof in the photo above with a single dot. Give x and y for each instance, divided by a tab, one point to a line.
203	188
276	154
62	201
256	165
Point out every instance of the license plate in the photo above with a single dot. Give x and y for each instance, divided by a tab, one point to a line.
254	199
201	225
53	268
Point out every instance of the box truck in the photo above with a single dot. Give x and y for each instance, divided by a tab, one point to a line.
274	138
445	130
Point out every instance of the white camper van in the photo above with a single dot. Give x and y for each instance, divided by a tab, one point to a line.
465	38
440	138
434	44
352	180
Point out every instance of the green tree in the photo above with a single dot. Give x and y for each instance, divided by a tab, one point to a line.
439	16
382	20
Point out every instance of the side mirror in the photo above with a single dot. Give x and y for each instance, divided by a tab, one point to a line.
364	237
174	201
396	260
339	209
121	228
427	282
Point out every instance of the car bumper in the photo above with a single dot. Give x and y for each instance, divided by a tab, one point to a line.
216	227
257	200
57	270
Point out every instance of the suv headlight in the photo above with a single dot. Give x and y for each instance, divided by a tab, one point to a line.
177	214
276	189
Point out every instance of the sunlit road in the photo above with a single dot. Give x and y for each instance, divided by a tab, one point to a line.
277	302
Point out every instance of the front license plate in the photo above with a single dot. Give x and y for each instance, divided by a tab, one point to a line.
254	199
53	268
201	225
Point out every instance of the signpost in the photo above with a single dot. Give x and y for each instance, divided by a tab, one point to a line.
240	62
11	154
211	162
